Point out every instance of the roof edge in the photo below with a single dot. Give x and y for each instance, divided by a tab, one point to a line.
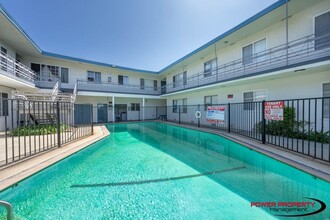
49	54
265	11
18	27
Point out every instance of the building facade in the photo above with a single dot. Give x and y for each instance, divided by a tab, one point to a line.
283	52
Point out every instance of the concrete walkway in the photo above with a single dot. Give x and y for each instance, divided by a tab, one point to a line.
16	172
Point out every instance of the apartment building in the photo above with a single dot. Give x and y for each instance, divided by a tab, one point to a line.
282	52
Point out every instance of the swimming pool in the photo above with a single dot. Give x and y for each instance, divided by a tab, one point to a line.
158	171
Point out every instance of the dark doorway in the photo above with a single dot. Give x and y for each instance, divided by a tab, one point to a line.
121	112
102	113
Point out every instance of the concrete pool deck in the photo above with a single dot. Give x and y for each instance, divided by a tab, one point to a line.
14	173
317	168
21	170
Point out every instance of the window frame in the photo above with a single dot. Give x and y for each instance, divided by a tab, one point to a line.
135	107
182	79
212	103
314	27
176	103
253	59
94	76
4	103
213	70
249	106
124	82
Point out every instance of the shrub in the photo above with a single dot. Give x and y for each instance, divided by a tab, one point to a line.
292	128
37	130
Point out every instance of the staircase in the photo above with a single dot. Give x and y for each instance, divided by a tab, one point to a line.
53	96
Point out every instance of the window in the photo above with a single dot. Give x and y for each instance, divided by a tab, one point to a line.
109	79
322	31
254	52
155	85
326	93
142	84
253	96
4	104
135	106
64	75
3	59
210	100
180	79
93	76
50	73
122	80
210	68
182	103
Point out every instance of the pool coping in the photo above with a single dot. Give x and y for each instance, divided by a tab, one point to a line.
14	173
317	168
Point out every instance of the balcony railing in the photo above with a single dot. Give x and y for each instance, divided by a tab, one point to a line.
11	67
46	82
308	49
298	52
84	85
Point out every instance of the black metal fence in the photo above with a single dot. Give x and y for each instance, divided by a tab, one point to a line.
304	128
31	127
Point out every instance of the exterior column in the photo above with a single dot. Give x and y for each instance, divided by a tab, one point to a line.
113	110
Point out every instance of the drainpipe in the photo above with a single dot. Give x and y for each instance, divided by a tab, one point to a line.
216	60
287	31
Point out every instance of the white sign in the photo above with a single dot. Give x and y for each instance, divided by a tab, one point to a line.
216	114
274	110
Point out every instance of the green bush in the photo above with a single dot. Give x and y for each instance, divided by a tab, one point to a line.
37	130
292	128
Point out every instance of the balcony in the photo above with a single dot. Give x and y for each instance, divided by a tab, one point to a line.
46	82
306	50
15	70
83	85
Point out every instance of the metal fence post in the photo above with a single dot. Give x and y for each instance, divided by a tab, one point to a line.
179	114
58	124
228	117
92	126
263	138
199	120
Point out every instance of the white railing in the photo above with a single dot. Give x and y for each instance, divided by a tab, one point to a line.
55	90
299	52
14	68
74	93
84	85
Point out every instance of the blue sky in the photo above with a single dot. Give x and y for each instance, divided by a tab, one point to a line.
144	34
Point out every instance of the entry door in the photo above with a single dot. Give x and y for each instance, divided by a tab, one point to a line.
102	113
82	113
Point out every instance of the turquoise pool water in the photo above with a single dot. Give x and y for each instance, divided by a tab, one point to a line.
158	171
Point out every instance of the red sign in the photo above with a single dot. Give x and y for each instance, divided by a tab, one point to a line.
274	110
216	114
